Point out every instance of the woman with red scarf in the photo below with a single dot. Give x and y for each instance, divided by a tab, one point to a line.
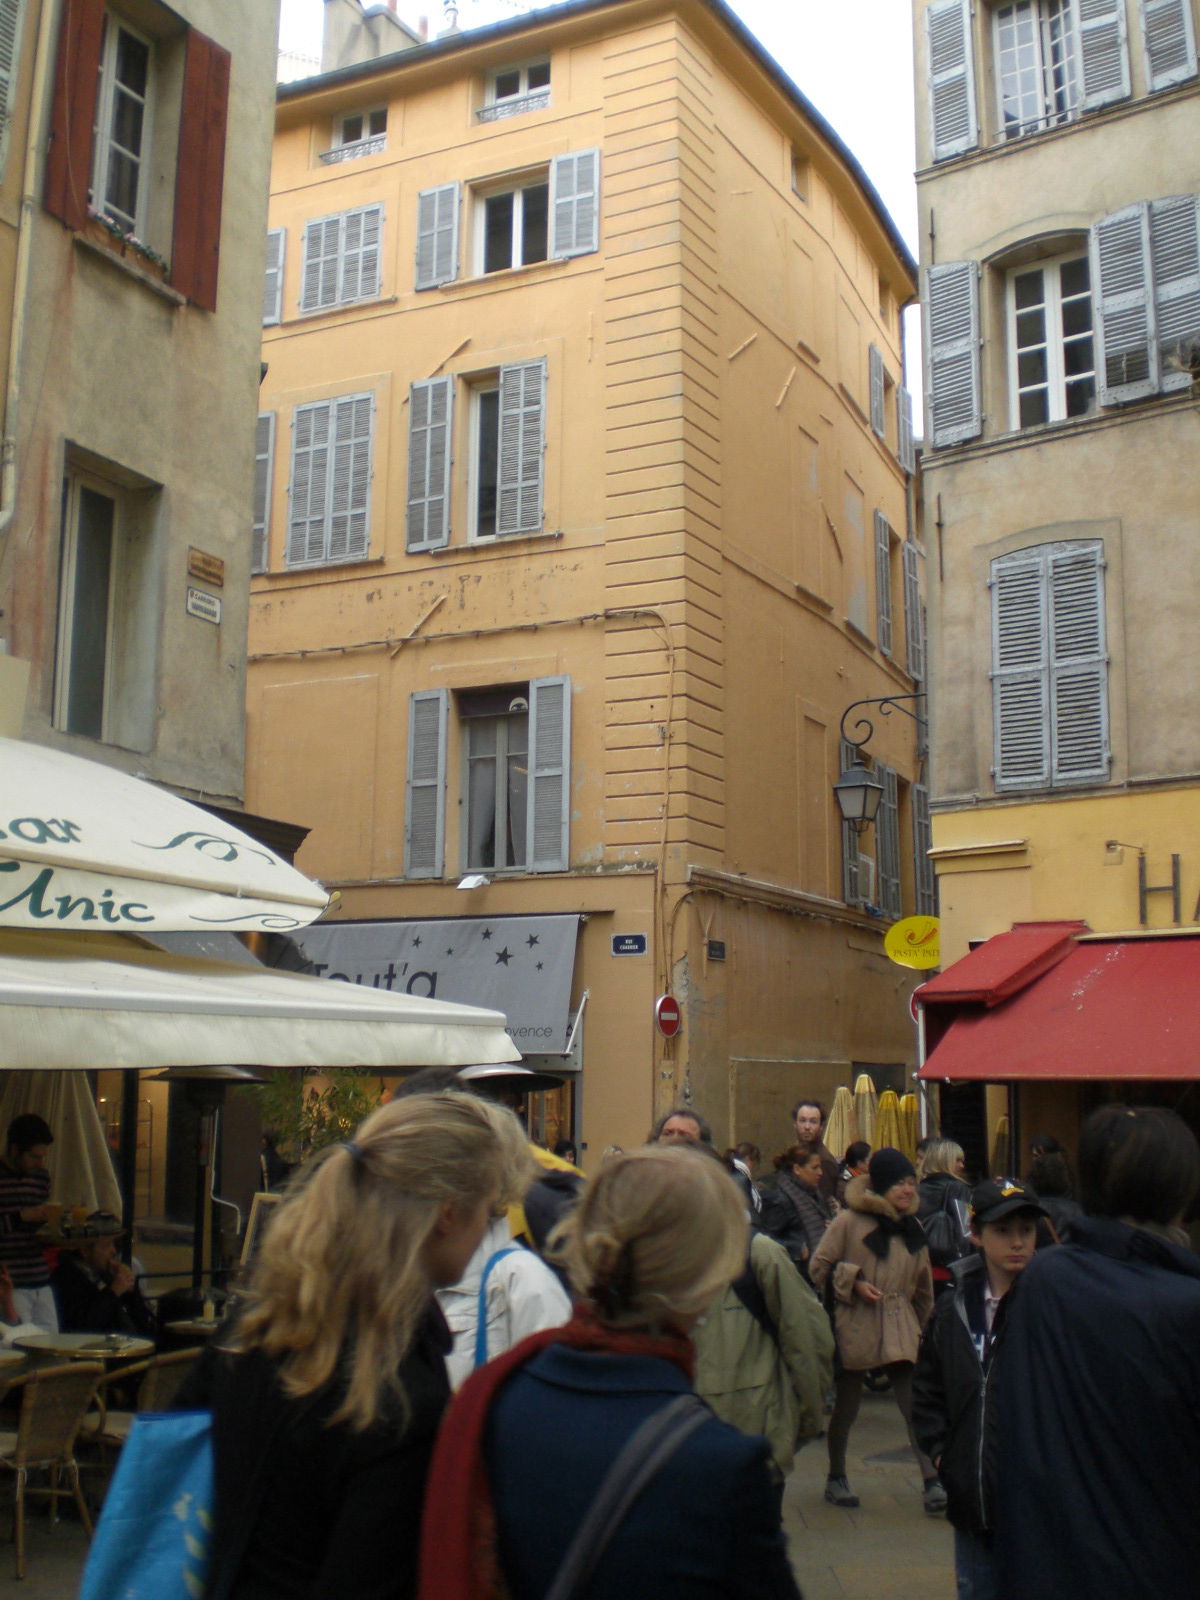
530	1438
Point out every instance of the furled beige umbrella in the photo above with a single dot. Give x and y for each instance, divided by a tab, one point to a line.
887	1121
864	1108
1001	1155
841	1130
910	1115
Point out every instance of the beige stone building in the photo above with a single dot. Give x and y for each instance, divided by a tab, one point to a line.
1059	155
585	466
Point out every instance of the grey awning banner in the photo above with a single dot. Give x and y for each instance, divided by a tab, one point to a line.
522	966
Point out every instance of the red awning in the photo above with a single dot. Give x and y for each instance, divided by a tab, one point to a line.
1003	965
1109	1008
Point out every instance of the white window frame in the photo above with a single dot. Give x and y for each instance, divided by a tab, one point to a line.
367	136
1056	338
340	259
496	106
500	763
492	383
537	178
114	26
1043	67
74	484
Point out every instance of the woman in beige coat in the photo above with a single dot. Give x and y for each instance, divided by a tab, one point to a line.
876	1262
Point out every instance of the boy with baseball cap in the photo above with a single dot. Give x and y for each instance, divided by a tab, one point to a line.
955	1373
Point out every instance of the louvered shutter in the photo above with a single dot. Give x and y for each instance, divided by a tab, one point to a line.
319	272
924	877
1169	40
10	28
847	755
549	815
575	203
308	491
907	450
425	790
875	371
1078	663
1020	672
1103	54
264	457
522	443
73	113
273	278
200	170
952	339
350	478
914	613
887	845
437	236
952	115
431	412
1175	265
359	278
1127	364
883	583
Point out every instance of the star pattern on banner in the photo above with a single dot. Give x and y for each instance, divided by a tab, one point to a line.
503	957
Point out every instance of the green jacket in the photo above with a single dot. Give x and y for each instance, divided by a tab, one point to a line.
772	1386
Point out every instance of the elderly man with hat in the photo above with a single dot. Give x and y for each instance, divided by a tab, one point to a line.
96	1291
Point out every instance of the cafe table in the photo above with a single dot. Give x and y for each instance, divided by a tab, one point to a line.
194	1327
85	1346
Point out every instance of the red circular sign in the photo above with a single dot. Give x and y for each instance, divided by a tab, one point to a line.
667	1015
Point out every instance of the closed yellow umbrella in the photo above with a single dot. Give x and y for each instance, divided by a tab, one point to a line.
842	1128
909	1123
887	1121
864	1108
1000	1151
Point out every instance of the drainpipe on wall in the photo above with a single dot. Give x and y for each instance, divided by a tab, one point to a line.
42	66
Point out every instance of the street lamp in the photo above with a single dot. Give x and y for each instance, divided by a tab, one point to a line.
858	791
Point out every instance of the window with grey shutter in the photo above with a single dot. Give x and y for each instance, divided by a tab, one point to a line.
907	449
522	445
952	116
10	32
360	254
425	790
952	340
330	492
430	421
575	203
1175	266
924	876
883	583
887	845
1169	41
875	373
264	457
1127	355
1050	672
847	755
319	271
437	236
273	278
549	774
914	613
1103	54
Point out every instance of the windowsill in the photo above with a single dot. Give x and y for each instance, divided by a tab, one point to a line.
304	567
353	152
506	274
335	311
124	265
1021	438
515	106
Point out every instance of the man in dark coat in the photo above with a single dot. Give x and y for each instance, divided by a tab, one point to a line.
96	1291
1098	1465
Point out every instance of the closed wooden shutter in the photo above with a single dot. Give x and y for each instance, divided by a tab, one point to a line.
350	478
1127	355
308	491
264	459
883	583
430	423
10	33
1169	41
924	876
1020	672
914	613
437	236
549	820
875	374
952	115
425	793
952	339
907	450
847	755
887	845
200	171
1079	662
73	114
273	277
1103	54
575	203
1175	265
319	268
522	444
359	277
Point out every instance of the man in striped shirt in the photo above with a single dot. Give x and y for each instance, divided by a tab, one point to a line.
24	1191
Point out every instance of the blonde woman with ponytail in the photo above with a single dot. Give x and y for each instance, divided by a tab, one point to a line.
327	1389
531	1437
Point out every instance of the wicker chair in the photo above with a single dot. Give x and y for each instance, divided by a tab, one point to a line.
53	1403
162	1376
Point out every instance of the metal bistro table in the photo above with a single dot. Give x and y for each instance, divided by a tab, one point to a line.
85	1346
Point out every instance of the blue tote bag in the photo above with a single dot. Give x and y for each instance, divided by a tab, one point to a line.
152	1539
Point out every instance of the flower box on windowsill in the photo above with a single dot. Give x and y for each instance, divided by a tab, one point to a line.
107	236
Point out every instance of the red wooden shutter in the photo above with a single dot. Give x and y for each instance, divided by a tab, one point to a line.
200	171
76	85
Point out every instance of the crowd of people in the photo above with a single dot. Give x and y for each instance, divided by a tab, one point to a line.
458	1369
